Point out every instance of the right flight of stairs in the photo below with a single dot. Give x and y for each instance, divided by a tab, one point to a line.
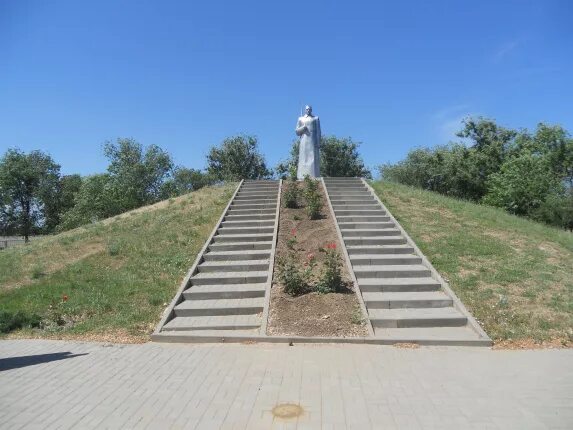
404	301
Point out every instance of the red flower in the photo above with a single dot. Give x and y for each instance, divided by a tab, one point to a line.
65	298
293	232
310	256
331	246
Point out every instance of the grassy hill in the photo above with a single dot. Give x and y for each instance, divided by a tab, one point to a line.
514	275
110	280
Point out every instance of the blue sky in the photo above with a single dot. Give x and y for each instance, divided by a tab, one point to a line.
185	74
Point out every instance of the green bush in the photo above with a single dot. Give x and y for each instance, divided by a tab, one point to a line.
291	194
292	277
331	280
10	321
313	198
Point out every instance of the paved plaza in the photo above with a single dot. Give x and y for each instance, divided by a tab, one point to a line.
56	384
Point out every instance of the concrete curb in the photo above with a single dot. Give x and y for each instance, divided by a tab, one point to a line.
445	286
170	337
266	308
168	314
355	285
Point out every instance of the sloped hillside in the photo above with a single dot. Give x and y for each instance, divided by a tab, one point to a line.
110	280
514	275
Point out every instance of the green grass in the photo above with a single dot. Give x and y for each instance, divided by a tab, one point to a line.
112	279
514	275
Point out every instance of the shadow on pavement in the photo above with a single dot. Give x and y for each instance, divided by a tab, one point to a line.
31	360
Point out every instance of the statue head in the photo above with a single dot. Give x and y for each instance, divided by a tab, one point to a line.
308	110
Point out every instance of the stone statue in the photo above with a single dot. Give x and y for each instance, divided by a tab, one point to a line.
308	128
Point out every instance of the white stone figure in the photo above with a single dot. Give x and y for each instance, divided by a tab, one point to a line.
308	128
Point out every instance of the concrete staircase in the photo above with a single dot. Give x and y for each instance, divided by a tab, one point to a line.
226	291
405	298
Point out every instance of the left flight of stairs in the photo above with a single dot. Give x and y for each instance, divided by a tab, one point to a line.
226	291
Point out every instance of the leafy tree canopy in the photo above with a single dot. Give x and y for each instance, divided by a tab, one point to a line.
237	158
28	185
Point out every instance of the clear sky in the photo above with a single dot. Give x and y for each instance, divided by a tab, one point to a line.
185	74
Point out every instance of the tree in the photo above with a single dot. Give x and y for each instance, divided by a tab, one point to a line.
28	182
491	144
237	158
136	175
339	157
185	180
522	184
94	201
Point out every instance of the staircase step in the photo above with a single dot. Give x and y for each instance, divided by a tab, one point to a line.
365	225
251	212
240	230
228	291
251	217
261	237
430	299
253	206
391	271
237	255
383	259
364	232
376	240
244	195
398	284
229	278
363	206
380	249
363	218
428	317
233	266
247	306
245	223
219	322
356	198
358	212
421	334
240	246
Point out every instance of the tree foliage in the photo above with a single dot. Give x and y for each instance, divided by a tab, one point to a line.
185	180
528	174
95	200
28	186
339	157
136	174
237	158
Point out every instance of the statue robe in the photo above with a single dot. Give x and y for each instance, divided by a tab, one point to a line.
308	128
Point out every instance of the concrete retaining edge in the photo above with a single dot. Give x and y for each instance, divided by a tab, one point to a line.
266	306
191	338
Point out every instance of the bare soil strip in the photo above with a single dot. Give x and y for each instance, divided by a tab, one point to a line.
312	314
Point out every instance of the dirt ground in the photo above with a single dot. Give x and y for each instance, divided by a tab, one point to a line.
312	314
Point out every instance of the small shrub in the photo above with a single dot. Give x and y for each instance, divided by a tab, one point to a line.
10	321
312	198
113	247
291	241
313	207
356	317
294	279
38	271
291	194
331	280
